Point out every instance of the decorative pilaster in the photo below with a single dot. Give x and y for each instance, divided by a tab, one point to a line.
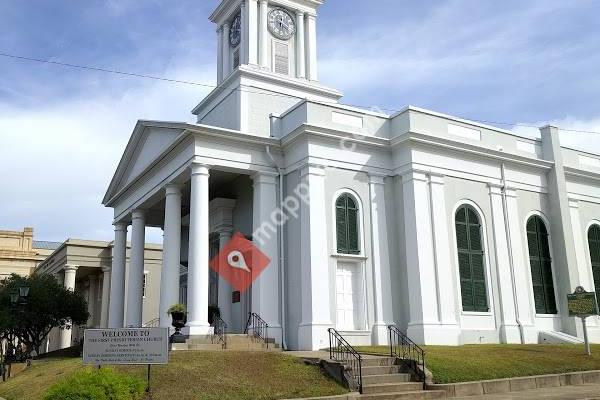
314	261
169	283
117	277
105	296
509	329
252	22
220	41
265	289
226	51
70	272
135	290
198	278
91	300
263	34
311	43
245	32
300	47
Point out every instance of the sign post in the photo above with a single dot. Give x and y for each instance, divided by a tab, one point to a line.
583	304
128	346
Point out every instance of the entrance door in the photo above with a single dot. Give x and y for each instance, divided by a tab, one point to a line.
349	297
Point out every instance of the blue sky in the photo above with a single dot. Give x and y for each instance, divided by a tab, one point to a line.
62	131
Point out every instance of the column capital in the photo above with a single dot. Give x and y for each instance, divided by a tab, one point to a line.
70	268
436	179
311	16
120	226
172	189
414	175
573	203
300	13
200	169
495	188
106	269
262	177
377	179
263	1
312	169
226	25
138	214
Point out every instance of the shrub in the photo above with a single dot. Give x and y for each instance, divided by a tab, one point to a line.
177	308
103	384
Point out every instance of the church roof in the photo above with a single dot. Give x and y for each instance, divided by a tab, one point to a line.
45	245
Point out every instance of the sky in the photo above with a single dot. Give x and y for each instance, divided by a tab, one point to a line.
63	130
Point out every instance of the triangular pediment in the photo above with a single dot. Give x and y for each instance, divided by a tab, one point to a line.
148	142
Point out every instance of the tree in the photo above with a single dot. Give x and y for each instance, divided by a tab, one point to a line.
48	305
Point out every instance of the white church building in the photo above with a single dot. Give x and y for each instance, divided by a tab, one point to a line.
454	231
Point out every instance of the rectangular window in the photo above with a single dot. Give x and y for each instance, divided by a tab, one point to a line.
281	58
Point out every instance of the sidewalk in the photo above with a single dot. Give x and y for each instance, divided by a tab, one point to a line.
583	392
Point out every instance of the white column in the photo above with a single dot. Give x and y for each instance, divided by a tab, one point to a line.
300	48
135	291
169	282
311	46
117	278
220	54
198	279
314	260
245	32
521	266
509	330
424	323
224	286
263	34
384	315
69	284
105	296
91	300
252	29
446	287
265	289
226	50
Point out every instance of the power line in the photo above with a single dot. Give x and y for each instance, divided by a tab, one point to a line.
212	86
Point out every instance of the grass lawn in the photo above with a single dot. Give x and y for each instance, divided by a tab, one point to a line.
197	375
479	362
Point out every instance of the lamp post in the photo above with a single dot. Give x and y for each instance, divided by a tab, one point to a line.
18	299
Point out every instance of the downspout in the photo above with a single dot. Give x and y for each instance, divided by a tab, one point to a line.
281	252
510	253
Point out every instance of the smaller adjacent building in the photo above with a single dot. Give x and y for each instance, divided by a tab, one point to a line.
20	254
85	266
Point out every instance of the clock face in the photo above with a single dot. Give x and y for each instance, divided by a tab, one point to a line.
281	24
235	34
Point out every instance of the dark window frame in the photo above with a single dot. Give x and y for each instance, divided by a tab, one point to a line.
468	250
347	210
540	264
594	249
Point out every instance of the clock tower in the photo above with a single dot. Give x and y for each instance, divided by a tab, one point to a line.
267	62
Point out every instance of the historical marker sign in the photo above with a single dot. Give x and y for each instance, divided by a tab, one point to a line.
582	304
126	346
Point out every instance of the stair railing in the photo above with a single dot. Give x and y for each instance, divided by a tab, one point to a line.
402	347
259	328
153	323
340	350
220	331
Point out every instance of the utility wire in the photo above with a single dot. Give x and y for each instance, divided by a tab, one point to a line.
212	86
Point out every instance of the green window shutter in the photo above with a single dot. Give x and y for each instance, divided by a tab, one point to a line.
540	263
347	225
471	260
594	244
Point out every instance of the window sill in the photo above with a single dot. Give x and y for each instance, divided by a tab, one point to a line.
477	313
547	316
349	256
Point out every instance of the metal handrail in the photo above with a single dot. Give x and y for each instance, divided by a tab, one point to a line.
401	346
220	331
340	350
259	328
153	323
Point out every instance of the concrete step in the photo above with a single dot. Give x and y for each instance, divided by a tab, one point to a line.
392	387
387	378
378	361
416	395
382	370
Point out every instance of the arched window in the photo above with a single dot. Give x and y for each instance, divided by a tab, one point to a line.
594	243
541	266
471	258
346	219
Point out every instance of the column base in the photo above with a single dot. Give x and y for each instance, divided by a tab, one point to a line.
380	336
510	334
430	334
197	329
313	336
65	338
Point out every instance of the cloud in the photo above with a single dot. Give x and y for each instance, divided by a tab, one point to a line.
575	133
57	160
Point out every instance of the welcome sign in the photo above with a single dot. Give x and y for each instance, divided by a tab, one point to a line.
126	346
